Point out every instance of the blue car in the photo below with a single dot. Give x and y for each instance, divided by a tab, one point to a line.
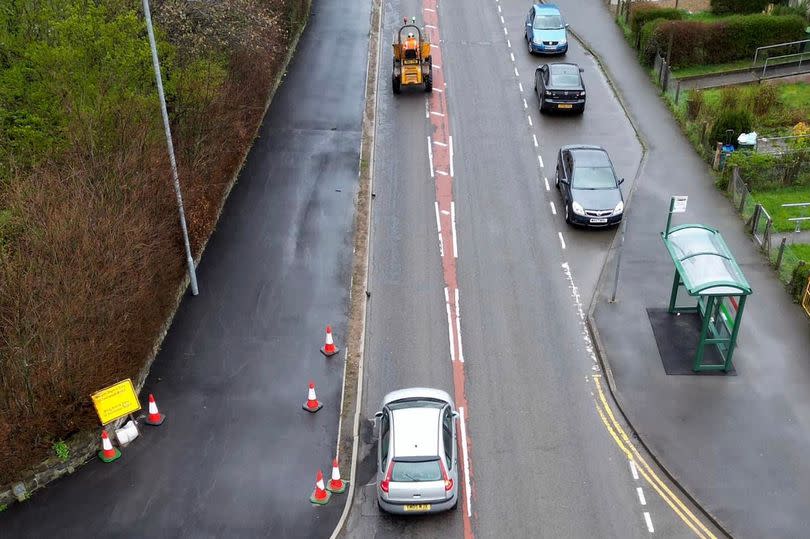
546	30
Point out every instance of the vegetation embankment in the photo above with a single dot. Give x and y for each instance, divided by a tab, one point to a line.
90	250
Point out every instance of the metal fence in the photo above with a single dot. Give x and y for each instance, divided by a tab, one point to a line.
760	224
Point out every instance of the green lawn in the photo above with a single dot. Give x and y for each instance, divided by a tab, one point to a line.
773	200
801	251
796	96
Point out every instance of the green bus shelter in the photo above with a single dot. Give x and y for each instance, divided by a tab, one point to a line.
708	281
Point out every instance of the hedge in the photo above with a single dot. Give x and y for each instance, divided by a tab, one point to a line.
732	38
642	13
729	7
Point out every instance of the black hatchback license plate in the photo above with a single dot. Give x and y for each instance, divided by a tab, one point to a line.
598	221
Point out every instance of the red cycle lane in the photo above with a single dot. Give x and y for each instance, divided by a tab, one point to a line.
440	152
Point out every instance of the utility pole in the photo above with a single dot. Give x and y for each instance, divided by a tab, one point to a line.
192	274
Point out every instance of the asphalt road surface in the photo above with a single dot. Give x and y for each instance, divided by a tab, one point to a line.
237	456
544	462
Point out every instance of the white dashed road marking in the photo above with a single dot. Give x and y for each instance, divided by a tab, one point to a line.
641	498
545	180
534	139
648	520
430	157
562	241
553	209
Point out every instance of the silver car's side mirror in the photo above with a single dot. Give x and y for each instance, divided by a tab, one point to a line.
455	415
378	414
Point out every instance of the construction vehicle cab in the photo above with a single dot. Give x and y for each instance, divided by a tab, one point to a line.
412	62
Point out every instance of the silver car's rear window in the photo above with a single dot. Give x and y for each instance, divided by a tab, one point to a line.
415	403
416	471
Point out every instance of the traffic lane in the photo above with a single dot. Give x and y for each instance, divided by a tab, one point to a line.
603	123
237	455
540	447
407	335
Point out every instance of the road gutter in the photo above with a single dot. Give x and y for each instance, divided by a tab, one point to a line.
359	294
599	348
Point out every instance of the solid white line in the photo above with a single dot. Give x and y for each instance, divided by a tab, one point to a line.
441	172
641	496
562	241
433	112
505	32
502	21
442	144
441	246
430	157
453	225
449	325
534	139
508	43
466	462
517	73
525	105
520	87
553	208
458	329
450	138
546	181
427	108
540	159
438	221
530	120
648	520
512	55
633	470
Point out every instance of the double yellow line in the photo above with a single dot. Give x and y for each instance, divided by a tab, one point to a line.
623	441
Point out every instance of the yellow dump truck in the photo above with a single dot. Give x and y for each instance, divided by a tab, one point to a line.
412	62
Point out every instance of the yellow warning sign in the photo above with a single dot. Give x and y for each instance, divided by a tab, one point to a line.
115	401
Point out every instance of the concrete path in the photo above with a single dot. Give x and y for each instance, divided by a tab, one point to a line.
744	77
738	444
237	456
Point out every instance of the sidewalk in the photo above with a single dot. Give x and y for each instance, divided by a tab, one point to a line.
736	443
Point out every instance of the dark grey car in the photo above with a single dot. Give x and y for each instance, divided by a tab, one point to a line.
559	87
590	189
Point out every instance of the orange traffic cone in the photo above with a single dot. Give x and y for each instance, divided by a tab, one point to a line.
108	453
155	418
329	349
312	404
336	485
320	495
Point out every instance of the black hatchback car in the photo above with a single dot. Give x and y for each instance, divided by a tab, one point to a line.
589	186
560	87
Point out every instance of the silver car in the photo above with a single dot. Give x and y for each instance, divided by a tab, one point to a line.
417	462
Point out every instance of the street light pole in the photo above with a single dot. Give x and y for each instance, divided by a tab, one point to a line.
158	80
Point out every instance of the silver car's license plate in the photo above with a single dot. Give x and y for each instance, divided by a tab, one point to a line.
597	221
